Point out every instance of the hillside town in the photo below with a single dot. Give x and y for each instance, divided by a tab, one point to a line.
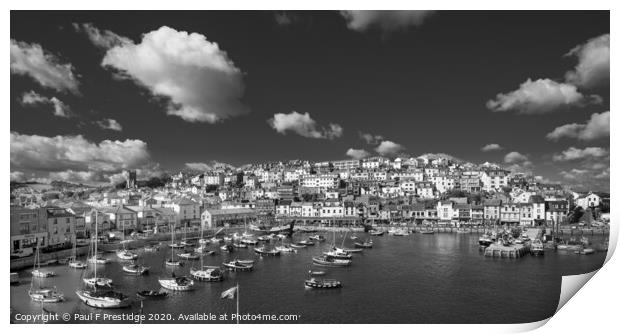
430	190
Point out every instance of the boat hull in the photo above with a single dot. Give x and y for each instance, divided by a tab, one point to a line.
171	284
314	284
102	302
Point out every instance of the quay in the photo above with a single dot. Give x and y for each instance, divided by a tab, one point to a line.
512	251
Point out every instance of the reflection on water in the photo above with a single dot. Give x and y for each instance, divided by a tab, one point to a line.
441	278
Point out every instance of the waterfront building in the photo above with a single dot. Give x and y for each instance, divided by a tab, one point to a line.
215	218
60	227
187	211
556	211
509	213
589	200
492	208
346	164
494	179
28	227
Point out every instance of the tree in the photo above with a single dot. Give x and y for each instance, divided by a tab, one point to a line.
575	215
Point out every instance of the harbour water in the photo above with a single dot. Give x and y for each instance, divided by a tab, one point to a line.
440	278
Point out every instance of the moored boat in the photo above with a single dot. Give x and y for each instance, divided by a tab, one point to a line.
238	266
126	255
182	283
338	254
537	248
98	259
298	246
286	249
189	256
207	274
314	283
317	237
366	244
428	232
227	248
485	240
42	273
268	252
240	245
377	233
151	294
103	299
248	241
46	295
98	281
330	261
135	269
306	243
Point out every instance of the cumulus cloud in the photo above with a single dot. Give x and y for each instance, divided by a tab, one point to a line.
110	124
199	79
386	20
33	98
357	153
371	139
199	166
593	66
515	157
18	176
31	60
541	96
103	39
76	158
491	147
389	148
573	174
573	153
597	127
303	125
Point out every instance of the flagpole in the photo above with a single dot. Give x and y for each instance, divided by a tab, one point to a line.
237	303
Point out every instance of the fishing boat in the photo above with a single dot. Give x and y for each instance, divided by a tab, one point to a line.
42	294
207	273
330	261
298	246
189	256
135	269
485	240
338	254
327	283
267	252
227	248
103	299
152	294
182	283
306	243
317	237
236	265
376	233
537	248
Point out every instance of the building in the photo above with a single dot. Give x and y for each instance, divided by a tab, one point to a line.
216	218
60	227
188	211
492	209
509	213
556	211
322	181
589	200
346	164
28	227
494	179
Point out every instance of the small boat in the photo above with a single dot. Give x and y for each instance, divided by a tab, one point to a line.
587	251
298	246
314	283
282	236
173	263
50	262
401	233
428	232
227	248
366	244
203	241
306	243
349	250
135	269
182	283
263	238
228	238
176	245
537	248
248	241
353	237
245	261
376	233
485	240
204	251
317	272
126	255
216	240
267	252
103	298
189	256
98	260
42	273
247	235
186	243
330	261
317	237
562	247
286	249
152	294
98	281
151	248
238	266
207	274
46	295
240	245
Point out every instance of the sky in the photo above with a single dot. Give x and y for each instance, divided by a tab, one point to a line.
95	93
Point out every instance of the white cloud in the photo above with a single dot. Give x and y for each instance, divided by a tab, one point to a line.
103	39
515	158
33	98
18	176
389	148
44	68
593	66
386	20
573	174
199	78
303	125
597	127
62	153
491	147
541	96
110	124
199	166
573	153
371	139
357	153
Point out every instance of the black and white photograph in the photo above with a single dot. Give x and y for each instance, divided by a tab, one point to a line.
305	166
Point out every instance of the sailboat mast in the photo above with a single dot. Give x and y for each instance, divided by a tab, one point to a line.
96	239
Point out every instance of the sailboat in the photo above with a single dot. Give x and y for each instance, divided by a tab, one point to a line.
202	249
285	248
97	281
73	261
101	298
206	273
135	269
124	254
181	283
185	242
171	261
42	294
37	271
